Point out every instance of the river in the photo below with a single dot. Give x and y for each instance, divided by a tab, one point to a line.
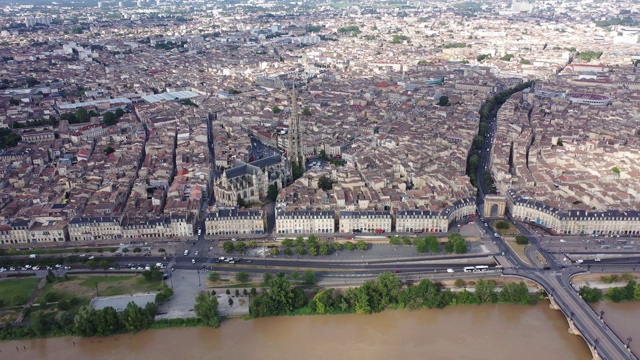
462	332
623	319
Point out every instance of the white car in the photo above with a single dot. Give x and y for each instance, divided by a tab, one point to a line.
196	253
597	259
193	261
562	240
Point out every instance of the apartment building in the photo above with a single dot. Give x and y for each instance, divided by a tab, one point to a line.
421	221
305	221
365	221
231	221
574	222
95	228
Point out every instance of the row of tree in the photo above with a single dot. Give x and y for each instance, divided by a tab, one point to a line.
314	246
90	322
376	295
489	109
82	115
455	243
631	291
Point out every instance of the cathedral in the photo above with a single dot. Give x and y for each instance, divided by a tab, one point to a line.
250	181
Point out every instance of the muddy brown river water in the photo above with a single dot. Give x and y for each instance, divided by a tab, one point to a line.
463	332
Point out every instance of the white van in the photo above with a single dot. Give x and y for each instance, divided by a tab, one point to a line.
32	256
450	270
186	252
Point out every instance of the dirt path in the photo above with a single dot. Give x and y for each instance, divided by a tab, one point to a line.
34	296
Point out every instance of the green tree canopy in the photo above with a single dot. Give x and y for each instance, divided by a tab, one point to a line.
325	183
206	308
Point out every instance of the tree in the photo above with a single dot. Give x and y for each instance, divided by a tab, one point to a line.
325	183
31	81
443	101
502	225
406	240
107	322
38	323
230	302
590	294
349	246
325	249
272	193
228	246
306	111
119	113
296	171
507	57
266	279
134	318
616	170
214	276
394	240
108	150
84	323
300	250
295	276
309	277
287	251
337	246
137	250
312	248
240	246
82	114
253	244
485	291
288	242
274	251
242	277
276	110
522	240
434	244
460	247
206	308
152	275
109	118
459	283
362	302
361	245
421	246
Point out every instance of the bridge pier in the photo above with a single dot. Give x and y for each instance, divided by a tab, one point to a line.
574	330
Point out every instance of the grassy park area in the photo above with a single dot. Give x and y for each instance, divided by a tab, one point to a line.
84	287
504	228
518	248
16	292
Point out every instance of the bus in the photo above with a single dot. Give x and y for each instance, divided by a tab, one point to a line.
469	269
481	268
